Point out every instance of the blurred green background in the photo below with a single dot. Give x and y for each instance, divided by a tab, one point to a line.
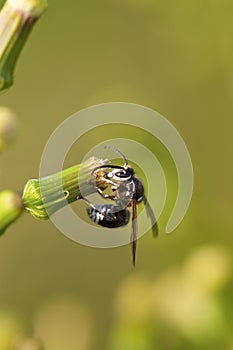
174	57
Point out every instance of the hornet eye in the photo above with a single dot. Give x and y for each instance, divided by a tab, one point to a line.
122	174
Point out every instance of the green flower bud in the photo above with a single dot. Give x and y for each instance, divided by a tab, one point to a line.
16	20
11	207
43	197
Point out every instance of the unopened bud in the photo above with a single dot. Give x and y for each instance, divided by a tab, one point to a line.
16	20
11	207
